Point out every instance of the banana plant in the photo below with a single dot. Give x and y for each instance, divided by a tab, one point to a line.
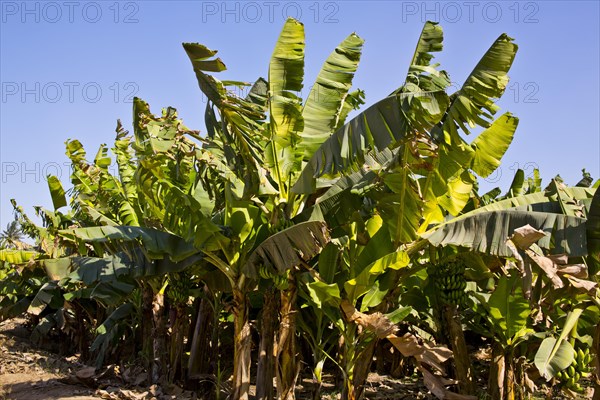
558	214
263	140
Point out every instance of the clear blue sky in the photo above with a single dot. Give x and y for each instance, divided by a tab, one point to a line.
68	70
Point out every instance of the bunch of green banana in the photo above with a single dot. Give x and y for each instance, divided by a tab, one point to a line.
449	278
580	368
279	280
178	290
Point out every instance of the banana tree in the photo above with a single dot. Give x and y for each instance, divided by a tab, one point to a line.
557	214
263	140
409	147
305	142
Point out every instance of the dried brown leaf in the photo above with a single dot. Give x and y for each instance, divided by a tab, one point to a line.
576	270
584	285
525	236
408	345
376	322
547	265
436	386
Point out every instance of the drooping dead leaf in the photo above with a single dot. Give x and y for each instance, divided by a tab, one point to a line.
583	285
436	386
523	267
577	270
559	259
547	265
520	263
408	345
525	236
425	354
529	383
434	356
376	322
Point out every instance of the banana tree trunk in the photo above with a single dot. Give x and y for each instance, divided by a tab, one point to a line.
464	369
242	346
509	381
362	366
596	352
287	368
497	368
159	333
265	370
178	326
81	331
147	322
203	349
348	354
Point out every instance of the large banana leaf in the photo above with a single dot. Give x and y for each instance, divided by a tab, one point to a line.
508	309
241	118
107	331
487	232
325	101
288	248
49	294
380	126
492	143
156	243
129	211
554	355
474	104
56	192
593	234
402	209
9	309
201	58
430	41
537	201
286	73
17	256
420	72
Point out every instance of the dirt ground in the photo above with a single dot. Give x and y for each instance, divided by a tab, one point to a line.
29	373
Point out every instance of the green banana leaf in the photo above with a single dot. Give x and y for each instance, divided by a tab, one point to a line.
420	73
474	104
593	234
9	309
325	101
554	355
286	73
509	309
56	192
288	248
48	295
384	124
18	256
107	331
486	232
492	143
156	243
430	41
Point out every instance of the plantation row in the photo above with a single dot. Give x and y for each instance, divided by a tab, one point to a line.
303	243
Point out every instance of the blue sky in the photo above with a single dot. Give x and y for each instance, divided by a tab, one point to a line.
68	69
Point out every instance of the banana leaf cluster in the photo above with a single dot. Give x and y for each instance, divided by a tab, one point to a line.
317	235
